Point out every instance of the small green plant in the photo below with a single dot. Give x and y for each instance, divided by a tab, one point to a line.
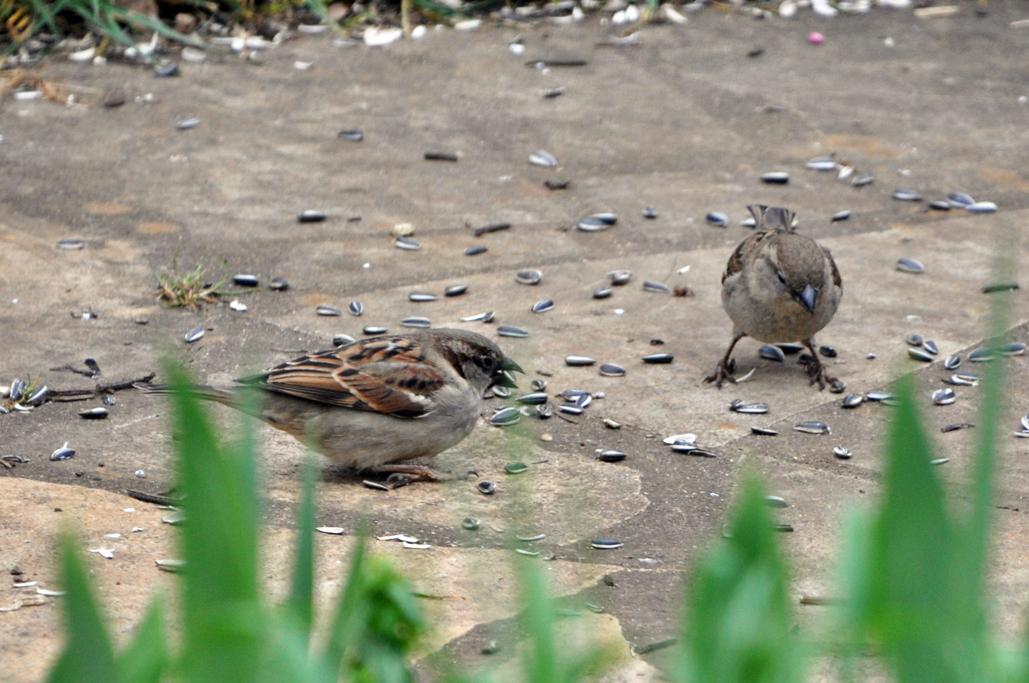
189	290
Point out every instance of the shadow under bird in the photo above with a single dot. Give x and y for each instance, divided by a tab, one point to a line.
779	286
376	402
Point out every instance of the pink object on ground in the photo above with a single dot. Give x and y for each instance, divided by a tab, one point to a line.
815	38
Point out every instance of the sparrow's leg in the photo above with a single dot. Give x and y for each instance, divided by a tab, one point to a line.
816	371
724	369
415	472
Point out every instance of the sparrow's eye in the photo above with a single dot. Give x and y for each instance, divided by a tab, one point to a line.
485	362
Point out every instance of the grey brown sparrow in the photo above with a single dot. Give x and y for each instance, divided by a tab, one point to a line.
376	401
779	286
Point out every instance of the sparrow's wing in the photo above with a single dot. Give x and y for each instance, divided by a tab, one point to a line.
836	279
387	375
742	254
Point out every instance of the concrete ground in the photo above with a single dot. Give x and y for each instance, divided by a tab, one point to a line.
685	122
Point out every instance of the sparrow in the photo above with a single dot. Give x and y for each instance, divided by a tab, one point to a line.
377	401
779	286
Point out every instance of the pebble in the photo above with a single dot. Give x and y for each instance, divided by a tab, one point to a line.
311	216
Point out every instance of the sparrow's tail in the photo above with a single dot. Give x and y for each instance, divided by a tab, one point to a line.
202	391
772	217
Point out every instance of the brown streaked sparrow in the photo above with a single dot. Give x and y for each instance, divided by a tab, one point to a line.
377	401
779	286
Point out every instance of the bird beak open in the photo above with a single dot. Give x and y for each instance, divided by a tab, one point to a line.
505	378
808	298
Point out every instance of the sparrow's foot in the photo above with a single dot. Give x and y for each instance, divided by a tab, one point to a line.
817	374
724	371
411	472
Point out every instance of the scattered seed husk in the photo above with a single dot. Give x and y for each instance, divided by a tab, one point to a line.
194	334
862	180
327	310
907	195
776	502
278	284
763	431
775	177
620	278
416	322
656	287
738	406
914	340
475	250
955	426
505	417
470	524
952	362
542	157
852	400
771	352
839	216
172	566
944	397
812	427
492	227
658	358
602	292
311	216
187	123
981	207
939	461
606	544
440	156
553	184
407	244
351	135
650	213
455	290
62	453
372	330
939	205
612	370
910	265
717	218
543	306
71	244
827	163
528	277
920	354
597	222
841	453
486	488
515	468
579	361
610	455
98	413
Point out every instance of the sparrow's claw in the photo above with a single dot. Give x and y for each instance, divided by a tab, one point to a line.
723	372
817	374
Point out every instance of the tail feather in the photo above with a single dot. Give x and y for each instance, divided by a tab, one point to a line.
772	217
201	391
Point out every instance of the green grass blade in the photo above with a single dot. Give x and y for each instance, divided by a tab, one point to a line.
540	663
88	655
913	544
146	658
349	611
737	628
223	618
301	595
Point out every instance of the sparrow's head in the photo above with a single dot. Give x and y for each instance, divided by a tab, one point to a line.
476	358
795	268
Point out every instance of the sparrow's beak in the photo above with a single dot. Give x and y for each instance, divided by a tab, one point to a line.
505	378
808	298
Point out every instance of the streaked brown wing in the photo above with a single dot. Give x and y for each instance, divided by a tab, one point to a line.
381	375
